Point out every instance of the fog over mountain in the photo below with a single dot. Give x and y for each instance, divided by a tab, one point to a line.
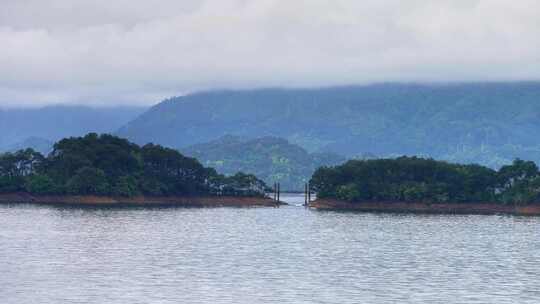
451	79
138	52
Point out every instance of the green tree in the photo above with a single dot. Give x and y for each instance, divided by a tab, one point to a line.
108	165
348	192
125	186
88	180
41	184
413	179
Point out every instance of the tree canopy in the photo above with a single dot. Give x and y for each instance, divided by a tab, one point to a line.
109	165
413	179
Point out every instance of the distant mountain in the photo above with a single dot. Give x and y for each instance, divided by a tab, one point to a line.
39	144
490	123
56	122
269	158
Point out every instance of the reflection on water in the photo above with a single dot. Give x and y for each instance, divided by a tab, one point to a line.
264	255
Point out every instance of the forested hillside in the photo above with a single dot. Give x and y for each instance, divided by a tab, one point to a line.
487	123
412	179
270	159
108	165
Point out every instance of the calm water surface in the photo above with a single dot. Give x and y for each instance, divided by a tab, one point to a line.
264	255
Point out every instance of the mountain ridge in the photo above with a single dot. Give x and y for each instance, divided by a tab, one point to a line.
52	123
489	123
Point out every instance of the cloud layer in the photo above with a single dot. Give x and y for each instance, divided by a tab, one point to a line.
137	52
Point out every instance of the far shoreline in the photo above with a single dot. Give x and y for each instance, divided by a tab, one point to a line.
139	201
426	208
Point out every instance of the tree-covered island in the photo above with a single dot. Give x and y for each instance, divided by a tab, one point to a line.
413	180
105	165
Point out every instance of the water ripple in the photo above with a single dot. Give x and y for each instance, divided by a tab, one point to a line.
285	255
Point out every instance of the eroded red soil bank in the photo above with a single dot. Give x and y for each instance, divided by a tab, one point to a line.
196	201
401	207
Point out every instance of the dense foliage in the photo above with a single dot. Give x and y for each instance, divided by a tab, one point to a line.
108	165
412	179
269	158
486	123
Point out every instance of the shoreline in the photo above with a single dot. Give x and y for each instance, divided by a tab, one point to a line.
138	201
424	208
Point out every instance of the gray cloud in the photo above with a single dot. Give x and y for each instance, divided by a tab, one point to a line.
137	52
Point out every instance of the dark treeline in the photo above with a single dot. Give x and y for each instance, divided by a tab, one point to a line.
109	165
412	179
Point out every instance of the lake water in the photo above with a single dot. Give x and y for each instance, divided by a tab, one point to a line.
264	255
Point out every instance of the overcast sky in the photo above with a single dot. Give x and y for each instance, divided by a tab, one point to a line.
140	51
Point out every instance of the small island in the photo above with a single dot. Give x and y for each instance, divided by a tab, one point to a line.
108	170
418	185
